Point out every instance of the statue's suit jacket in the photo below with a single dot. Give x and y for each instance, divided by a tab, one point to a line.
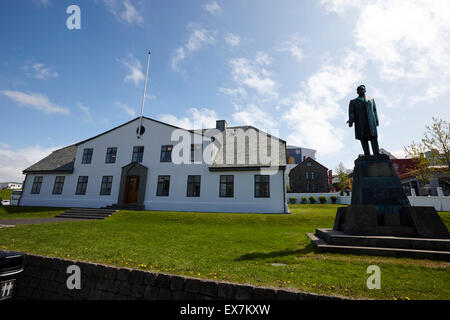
363	113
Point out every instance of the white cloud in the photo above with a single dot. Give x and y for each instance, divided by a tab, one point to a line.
254	116
130	111
85	111
37	101
40	71
253	74
14	161
198	37
293	46
213	7
124	11
232	39
134	68
315	107
407	40
196	119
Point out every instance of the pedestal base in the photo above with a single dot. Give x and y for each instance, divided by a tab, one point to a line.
338	241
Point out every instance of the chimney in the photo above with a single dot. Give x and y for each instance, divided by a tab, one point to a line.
221	125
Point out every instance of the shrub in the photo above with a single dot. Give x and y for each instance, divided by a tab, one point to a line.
333	199
323	199
292	200
312	199
304	200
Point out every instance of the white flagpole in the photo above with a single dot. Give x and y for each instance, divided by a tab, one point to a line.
143	97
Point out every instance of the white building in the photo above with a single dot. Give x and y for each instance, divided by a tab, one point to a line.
11	185
119	168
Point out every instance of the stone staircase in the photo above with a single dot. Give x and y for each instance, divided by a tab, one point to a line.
87	213
132	207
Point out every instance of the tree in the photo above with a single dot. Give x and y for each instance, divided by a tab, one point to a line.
342	176
431	156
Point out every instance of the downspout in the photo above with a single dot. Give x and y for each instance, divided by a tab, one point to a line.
284	192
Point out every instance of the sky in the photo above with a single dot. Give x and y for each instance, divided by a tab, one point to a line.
288	67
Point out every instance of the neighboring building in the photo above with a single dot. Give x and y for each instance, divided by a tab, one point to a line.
439	183
294	156
10	185
390	155
309	177
119	168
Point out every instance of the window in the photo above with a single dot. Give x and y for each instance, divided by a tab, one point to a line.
87	156
111	154
166	153
193	186
196	152
312	175
226	188
163	186
307	175
37	182
58	186
82	185
138	154
309	164
105	189
262	189
313	188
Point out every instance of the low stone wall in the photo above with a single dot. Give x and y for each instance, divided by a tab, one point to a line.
45	278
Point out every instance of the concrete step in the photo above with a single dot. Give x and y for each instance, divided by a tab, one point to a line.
81	216
340	238
87	213
321	244
92	210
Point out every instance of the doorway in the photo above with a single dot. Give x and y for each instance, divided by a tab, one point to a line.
132	189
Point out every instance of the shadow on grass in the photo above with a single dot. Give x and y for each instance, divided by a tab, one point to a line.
309	248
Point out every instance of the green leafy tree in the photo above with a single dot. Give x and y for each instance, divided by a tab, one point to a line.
342	176
432	155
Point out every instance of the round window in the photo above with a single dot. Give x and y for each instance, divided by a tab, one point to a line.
142	130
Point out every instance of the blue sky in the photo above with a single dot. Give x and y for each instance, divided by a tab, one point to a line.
286	65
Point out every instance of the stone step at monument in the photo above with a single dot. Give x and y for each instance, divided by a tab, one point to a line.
321	244
339	238
87	213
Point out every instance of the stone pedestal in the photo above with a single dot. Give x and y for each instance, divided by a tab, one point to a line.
380	206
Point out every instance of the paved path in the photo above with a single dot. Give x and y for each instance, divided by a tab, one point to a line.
15	222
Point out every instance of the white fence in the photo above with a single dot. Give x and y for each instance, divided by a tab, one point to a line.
439	203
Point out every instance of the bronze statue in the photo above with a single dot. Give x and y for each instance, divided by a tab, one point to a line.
363	112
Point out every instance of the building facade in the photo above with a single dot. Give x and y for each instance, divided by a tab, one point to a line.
294	156
308	177
154	172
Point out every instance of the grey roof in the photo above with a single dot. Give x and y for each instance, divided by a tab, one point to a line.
60	160
246	155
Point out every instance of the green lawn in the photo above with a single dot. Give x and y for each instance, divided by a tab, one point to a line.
5	194
15	212
233	247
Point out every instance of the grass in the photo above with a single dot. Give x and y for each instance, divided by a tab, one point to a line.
15	212
5	194
233	247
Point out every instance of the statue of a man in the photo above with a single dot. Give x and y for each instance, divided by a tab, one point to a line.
363	113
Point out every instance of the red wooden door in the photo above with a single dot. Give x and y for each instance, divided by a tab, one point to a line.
131	193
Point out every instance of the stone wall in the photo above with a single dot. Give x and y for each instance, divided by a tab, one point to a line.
45	278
